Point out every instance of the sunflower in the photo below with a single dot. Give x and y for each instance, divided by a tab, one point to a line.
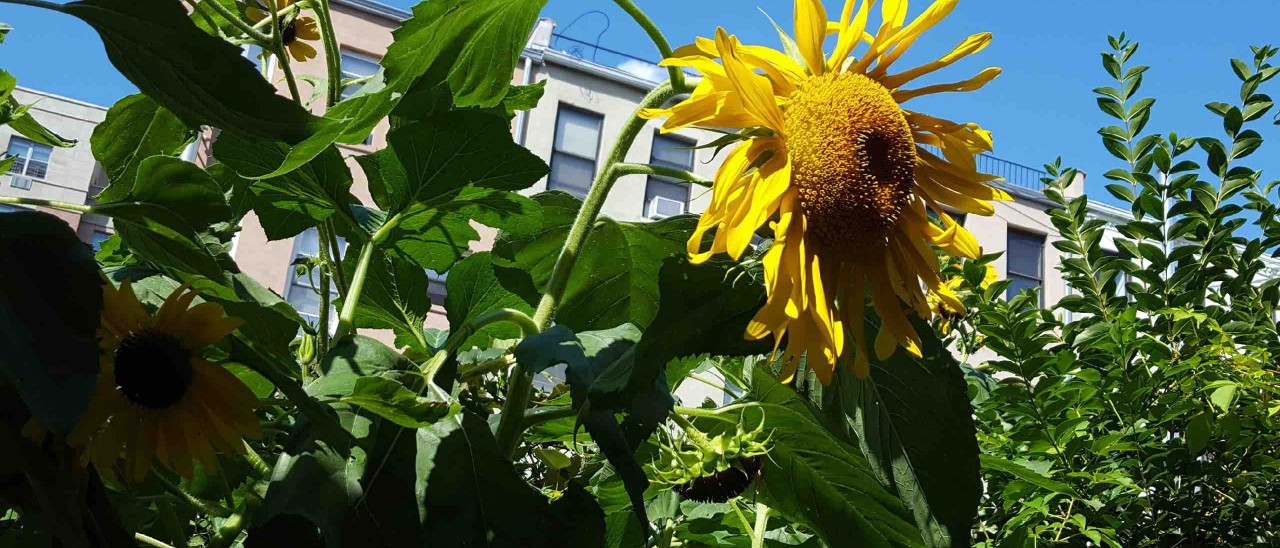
157	398
942	309
843	173
292	30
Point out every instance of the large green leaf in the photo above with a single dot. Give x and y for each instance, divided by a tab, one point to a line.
705	309
295	201
814	479
437	236
181	187
201	78
161	237
446	152
135	129
396	294
50	299
615	279
473	288
913	421
473	45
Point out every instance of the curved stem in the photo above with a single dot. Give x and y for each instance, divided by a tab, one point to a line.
655	34
282	56
519	382
332	52
346	317
239	23
255	460
35	3
191	500
762	525
539	416
661	171
491	366
150	541
78	208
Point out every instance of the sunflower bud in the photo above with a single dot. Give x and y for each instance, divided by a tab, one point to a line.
712	469
307	349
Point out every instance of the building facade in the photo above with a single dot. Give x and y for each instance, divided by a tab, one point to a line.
68	175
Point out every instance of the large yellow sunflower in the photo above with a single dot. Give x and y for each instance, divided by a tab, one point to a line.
845	175
158	399
292	31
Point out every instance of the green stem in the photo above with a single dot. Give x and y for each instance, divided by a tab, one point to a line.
332	51
746	524
322	334
330	233
150	541
78	208
519	382
662	171
191	500
720	414
546	414
260	466
491	366
346	317
282	56
762	525
287	11
655	34
236	21
204	14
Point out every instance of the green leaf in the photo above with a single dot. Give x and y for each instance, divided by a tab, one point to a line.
913	421
991	462
180	187
437	236
473	288
443	154
1222	394
27	125
390	400
135	129
396	295
523	97
298	200
707	312
1198	430
555	346
49	317
615	279
200	78
814	479
580	517
161	237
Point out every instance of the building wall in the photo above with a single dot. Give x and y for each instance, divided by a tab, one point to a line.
71	170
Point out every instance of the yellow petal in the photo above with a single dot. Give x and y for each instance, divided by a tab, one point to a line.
301	51
756	93
970	46
981	79
811	31
902	40
850	33
205	324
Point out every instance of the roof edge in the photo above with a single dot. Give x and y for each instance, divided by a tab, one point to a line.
377	8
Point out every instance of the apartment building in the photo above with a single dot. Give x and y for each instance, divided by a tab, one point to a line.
43	172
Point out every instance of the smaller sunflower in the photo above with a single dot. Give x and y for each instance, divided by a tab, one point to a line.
158	400
944	310
293	30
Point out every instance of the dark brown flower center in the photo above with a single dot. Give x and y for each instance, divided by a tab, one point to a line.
289	33
853	158
153	369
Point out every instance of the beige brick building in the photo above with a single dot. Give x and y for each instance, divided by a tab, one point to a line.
58	174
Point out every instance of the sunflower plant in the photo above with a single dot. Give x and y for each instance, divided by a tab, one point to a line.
155	394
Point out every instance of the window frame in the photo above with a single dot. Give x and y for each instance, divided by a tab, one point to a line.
342	96
595	161
684	142
26	161
1011	274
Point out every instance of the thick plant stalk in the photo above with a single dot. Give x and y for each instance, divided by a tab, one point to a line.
520	383
655	34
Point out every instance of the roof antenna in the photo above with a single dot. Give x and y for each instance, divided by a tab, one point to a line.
577	49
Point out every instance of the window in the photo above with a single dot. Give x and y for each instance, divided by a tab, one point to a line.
303	291
31	161
1025	259
253	53
354	66
664	196
97	238
573	158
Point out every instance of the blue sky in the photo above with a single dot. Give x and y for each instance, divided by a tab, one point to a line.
1040	108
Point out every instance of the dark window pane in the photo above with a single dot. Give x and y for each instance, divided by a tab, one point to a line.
19	164
37	169
571	174
1025	254
1017	284
672	152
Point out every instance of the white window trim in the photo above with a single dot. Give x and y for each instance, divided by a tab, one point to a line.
26	161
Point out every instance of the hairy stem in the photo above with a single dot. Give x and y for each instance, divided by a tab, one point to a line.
191	500
282	56
346	317
332	52
762	525
235	20
655	34
150	541
78	208
662	171
539	416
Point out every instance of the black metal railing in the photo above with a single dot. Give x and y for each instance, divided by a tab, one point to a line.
1014	174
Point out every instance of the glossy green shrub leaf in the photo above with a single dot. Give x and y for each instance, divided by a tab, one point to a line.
135	129
50	300
200	78
913	422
